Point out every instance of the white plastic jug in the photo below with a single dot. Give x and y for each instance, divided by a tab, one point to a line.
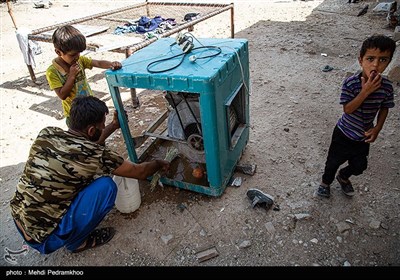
128	196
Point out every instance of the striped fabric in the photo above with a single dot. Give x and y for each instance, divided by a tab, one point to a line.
355	124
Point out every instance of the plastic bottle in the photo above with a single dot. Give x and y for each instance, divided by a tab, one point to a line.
128	196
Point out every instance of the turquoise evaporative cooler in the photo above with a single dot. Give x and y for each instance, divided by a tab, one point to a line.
206	94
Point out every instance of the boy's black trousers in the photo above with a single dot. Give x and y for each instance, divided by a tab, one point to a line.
343	149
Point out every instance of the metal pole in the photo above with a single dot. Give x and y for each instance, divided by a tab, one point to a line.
232	22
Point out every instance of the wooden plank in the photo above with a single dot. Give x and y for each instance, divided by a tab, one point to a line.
108	42
124	20
207	254
87	30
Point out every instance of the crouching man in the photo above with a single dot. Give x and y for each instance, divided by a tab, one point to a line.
66	190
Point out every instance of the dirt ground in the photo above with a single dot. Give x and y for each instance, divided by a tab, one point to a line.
294	106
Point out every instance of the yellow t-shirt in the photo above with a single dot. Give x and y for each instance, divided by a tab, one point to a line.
56	77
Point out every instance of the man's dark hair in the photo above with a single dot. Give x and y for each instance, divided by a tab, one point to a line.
67	38
85	111
381	42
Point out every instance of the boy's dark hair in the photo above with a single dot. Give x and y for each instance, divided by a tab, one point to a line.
67	38
85	111
381	42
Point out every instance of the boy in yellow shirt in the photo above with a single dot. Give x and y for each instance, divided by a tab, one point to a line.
66	75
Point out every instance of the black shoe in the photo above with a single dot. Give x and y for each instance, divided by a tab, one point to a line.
258	197
324	191
347	188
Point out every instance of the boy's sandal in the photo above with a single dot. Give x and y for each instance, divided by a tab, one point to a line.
324	191
346	185
97	238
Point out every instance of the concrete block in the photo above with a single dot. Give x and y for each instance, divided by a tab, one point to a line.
353	69
396	34
393	69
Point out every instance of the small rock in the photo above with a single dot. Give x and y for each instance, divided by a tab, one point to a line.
270	227
166	238
245	244
346	263
342	227
302	216
314	240
384	226
374	224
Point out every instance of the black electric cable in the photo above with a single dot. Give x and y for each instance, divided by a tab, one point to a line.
193	115
156	62
177	113
165	59
218	49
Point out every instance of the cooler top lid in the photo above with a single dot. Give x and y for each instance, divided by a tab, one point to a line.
174	63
